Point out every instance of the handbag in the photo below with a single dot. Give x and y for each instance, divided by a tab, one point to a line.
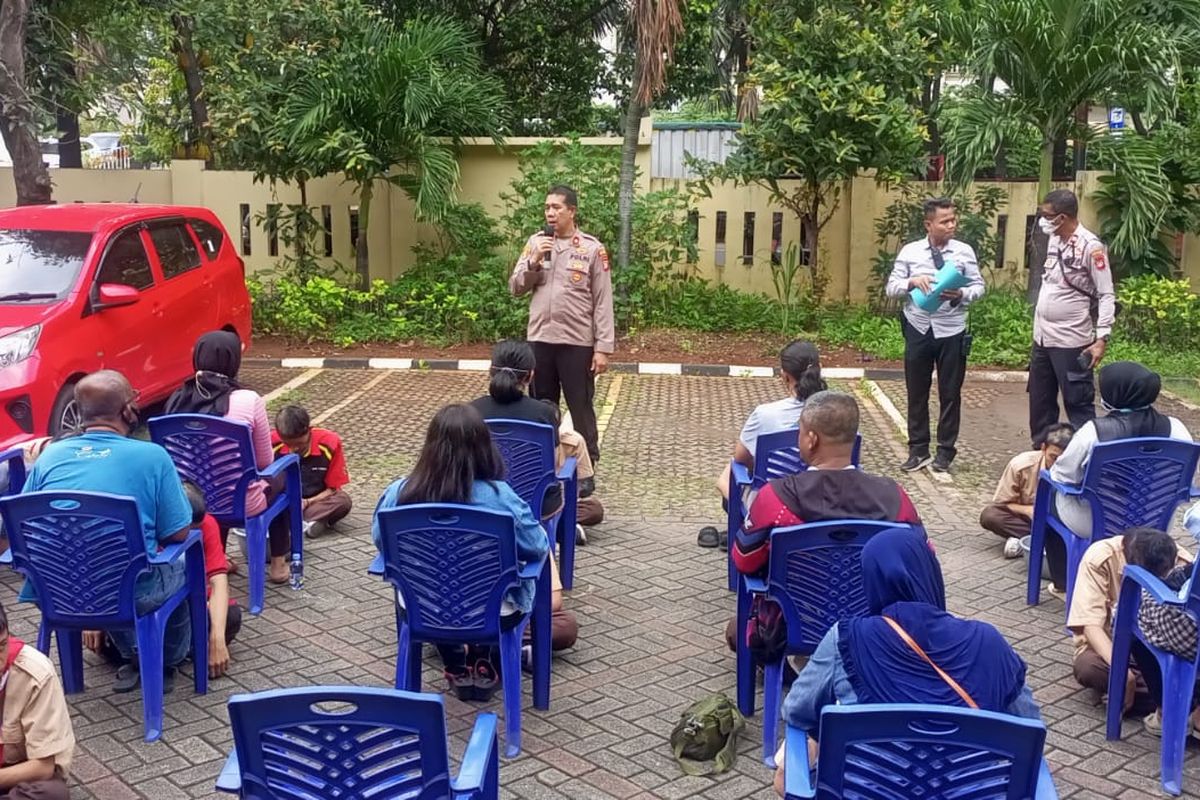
953	684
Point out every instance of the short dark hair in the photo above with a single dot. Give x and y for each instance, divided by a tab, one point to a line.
292	422
1059	435
568	194
833	415
3	620
1063	201
935	204
196	499
1151	549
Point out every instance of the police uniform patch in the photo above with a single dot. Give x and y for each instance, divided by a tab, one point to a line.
576	276
1099	261
603	255
575	240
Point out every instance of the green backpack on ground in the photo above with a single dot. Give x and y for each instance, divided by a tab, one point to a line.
707	731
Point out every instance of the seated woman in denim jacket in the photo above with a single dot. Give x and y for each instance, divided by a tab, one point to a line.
459	463
867	661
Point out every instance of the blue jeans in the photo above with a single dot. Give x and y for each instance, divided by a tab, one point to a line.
163	581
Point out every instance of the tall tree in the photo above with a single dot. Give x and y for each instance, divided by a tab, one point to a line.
17	109
545	52
399	117
841	85
655	27
1054	56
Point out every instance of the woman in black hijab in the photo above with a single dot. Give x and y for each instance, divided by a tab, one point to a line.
217	357
1127	392
215	390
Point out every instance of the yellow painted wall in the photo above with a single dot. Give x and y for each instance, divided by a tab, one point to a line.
847	249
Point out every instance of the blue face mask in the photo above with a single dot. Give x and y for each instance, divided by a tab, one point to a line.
1111	409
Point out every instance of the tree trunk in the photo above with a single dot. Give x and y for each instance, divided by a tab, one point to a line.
302	224
1038	241
189	65
633	122
362	261
70	153
30	175
1081	121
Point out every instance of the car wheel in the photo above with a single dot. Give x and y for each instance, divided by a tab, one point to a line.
64	416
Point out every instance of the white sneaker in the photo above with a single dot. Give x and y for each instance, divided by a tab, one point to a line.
308	526
1012	548
580	535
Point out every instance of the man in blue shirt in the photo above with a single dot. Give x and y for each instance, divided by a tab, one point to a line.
104	459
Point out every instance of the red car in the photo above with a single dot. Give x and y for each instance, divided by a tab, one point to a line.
107	286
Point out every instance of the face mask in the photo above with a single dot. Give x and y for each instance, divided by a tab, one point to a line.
1047	226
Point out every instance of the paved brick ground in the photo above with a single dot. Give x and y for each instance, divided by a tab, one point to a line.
651	606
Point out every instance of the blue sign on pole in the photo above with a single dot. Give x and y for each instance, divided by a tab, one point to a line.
1116	118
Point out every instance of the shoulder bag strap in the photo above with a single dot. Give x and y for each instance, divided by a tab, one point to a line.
908	640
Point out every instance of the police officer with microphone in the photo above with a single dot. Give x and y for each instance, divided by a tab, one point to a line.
571	314
1073	318
935	338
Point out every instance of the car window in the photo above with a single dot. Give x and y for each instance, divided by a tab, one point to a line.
210	237
126	262
40	266
176	251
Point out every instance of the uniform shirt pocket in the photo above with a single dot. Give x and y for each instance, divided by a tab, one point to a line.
578	274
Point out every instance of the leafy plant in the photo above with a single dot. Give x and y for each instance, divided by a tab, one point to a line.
1159	312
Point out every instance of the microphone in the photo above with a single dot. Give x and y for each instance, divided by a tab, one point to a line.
547	230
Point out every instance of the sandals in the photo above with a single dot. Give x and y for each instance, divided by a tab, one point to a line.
462	682
487	681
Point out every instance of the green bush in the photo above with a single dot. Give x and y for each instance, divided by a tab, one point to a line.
1159	312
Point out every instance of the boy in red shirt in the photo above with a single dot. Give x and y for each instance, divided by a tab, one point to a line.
323	474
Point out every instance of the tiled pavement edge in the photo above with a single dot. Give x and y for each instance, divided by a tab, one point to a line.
651	605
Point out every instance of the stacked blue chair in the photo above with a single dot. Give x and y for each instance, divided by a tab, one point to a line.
217	455
777	457
887	752
1178	674
451	566
1128	483
815	575
353	743
528	450
82	553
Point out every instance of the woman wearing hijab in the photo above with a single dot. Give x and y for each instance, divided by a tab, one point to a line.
1127	392
873	659
215	390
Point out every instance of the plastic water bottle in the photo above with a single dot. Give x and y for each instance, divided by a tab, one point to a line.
297	574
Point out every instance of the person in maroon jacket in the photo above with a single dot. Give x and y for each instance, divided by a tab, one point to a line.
831	488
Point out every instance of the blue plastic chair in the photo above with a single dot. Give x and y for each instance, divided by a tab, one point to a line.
452	565
1128	483
217	455
353	743
82	553
815	575
14	457
1178	674
528	450
885	752
778	457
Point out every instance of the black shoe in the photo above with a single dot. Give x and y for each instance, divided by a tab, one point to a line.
724	543
940	463
128	678
587	486
708	537
169	680
915	463
461	681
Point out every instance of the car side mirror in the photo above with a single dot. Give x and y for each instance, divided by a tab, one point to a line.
114	295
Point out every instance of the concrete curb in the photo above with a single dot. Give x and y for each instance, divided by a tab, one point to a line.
635	368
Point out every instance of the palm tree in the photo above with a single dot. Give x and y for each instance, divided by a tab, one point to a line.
1054	56
404	101
655	26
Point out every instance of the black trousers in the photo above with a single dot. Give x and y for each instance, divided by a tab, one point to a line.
566	369
922	352
1053	370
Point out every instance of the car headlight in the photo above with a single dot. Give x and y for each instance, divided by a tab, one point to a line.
18	346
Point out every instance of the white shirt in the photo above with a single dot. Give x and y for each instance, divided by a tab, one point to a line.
773	417
916	259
